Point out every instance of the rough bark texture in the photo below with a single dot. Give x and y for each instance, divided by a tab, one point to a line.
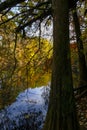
82	62
61	113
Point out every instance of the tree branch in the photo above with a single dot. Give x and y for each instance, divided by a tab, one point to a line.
41	16
9	3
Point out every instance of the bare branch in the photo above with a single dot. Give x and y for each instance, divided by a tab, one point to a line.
41	16
9	3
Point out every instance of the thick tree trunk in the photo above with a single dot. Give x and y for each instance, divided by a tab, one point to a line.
61	113
82	61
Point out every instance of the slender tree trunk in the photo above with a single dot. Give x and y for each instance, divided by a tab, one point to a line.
82	61
61	113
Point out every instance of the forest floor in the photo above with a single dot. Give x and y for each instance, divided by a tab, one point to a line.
81	104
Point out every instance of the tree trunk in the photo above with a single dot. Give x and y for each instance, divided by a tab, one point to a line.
82	61
61	113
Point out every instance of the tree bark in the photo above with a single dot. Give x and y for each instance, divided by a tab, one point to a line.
82	61
61	113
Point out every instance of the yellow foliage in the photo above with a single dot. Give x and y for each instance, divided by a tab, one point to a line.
24	64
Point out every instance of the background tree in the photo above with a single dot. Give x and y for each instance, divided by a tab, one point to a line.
82	61
22	63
